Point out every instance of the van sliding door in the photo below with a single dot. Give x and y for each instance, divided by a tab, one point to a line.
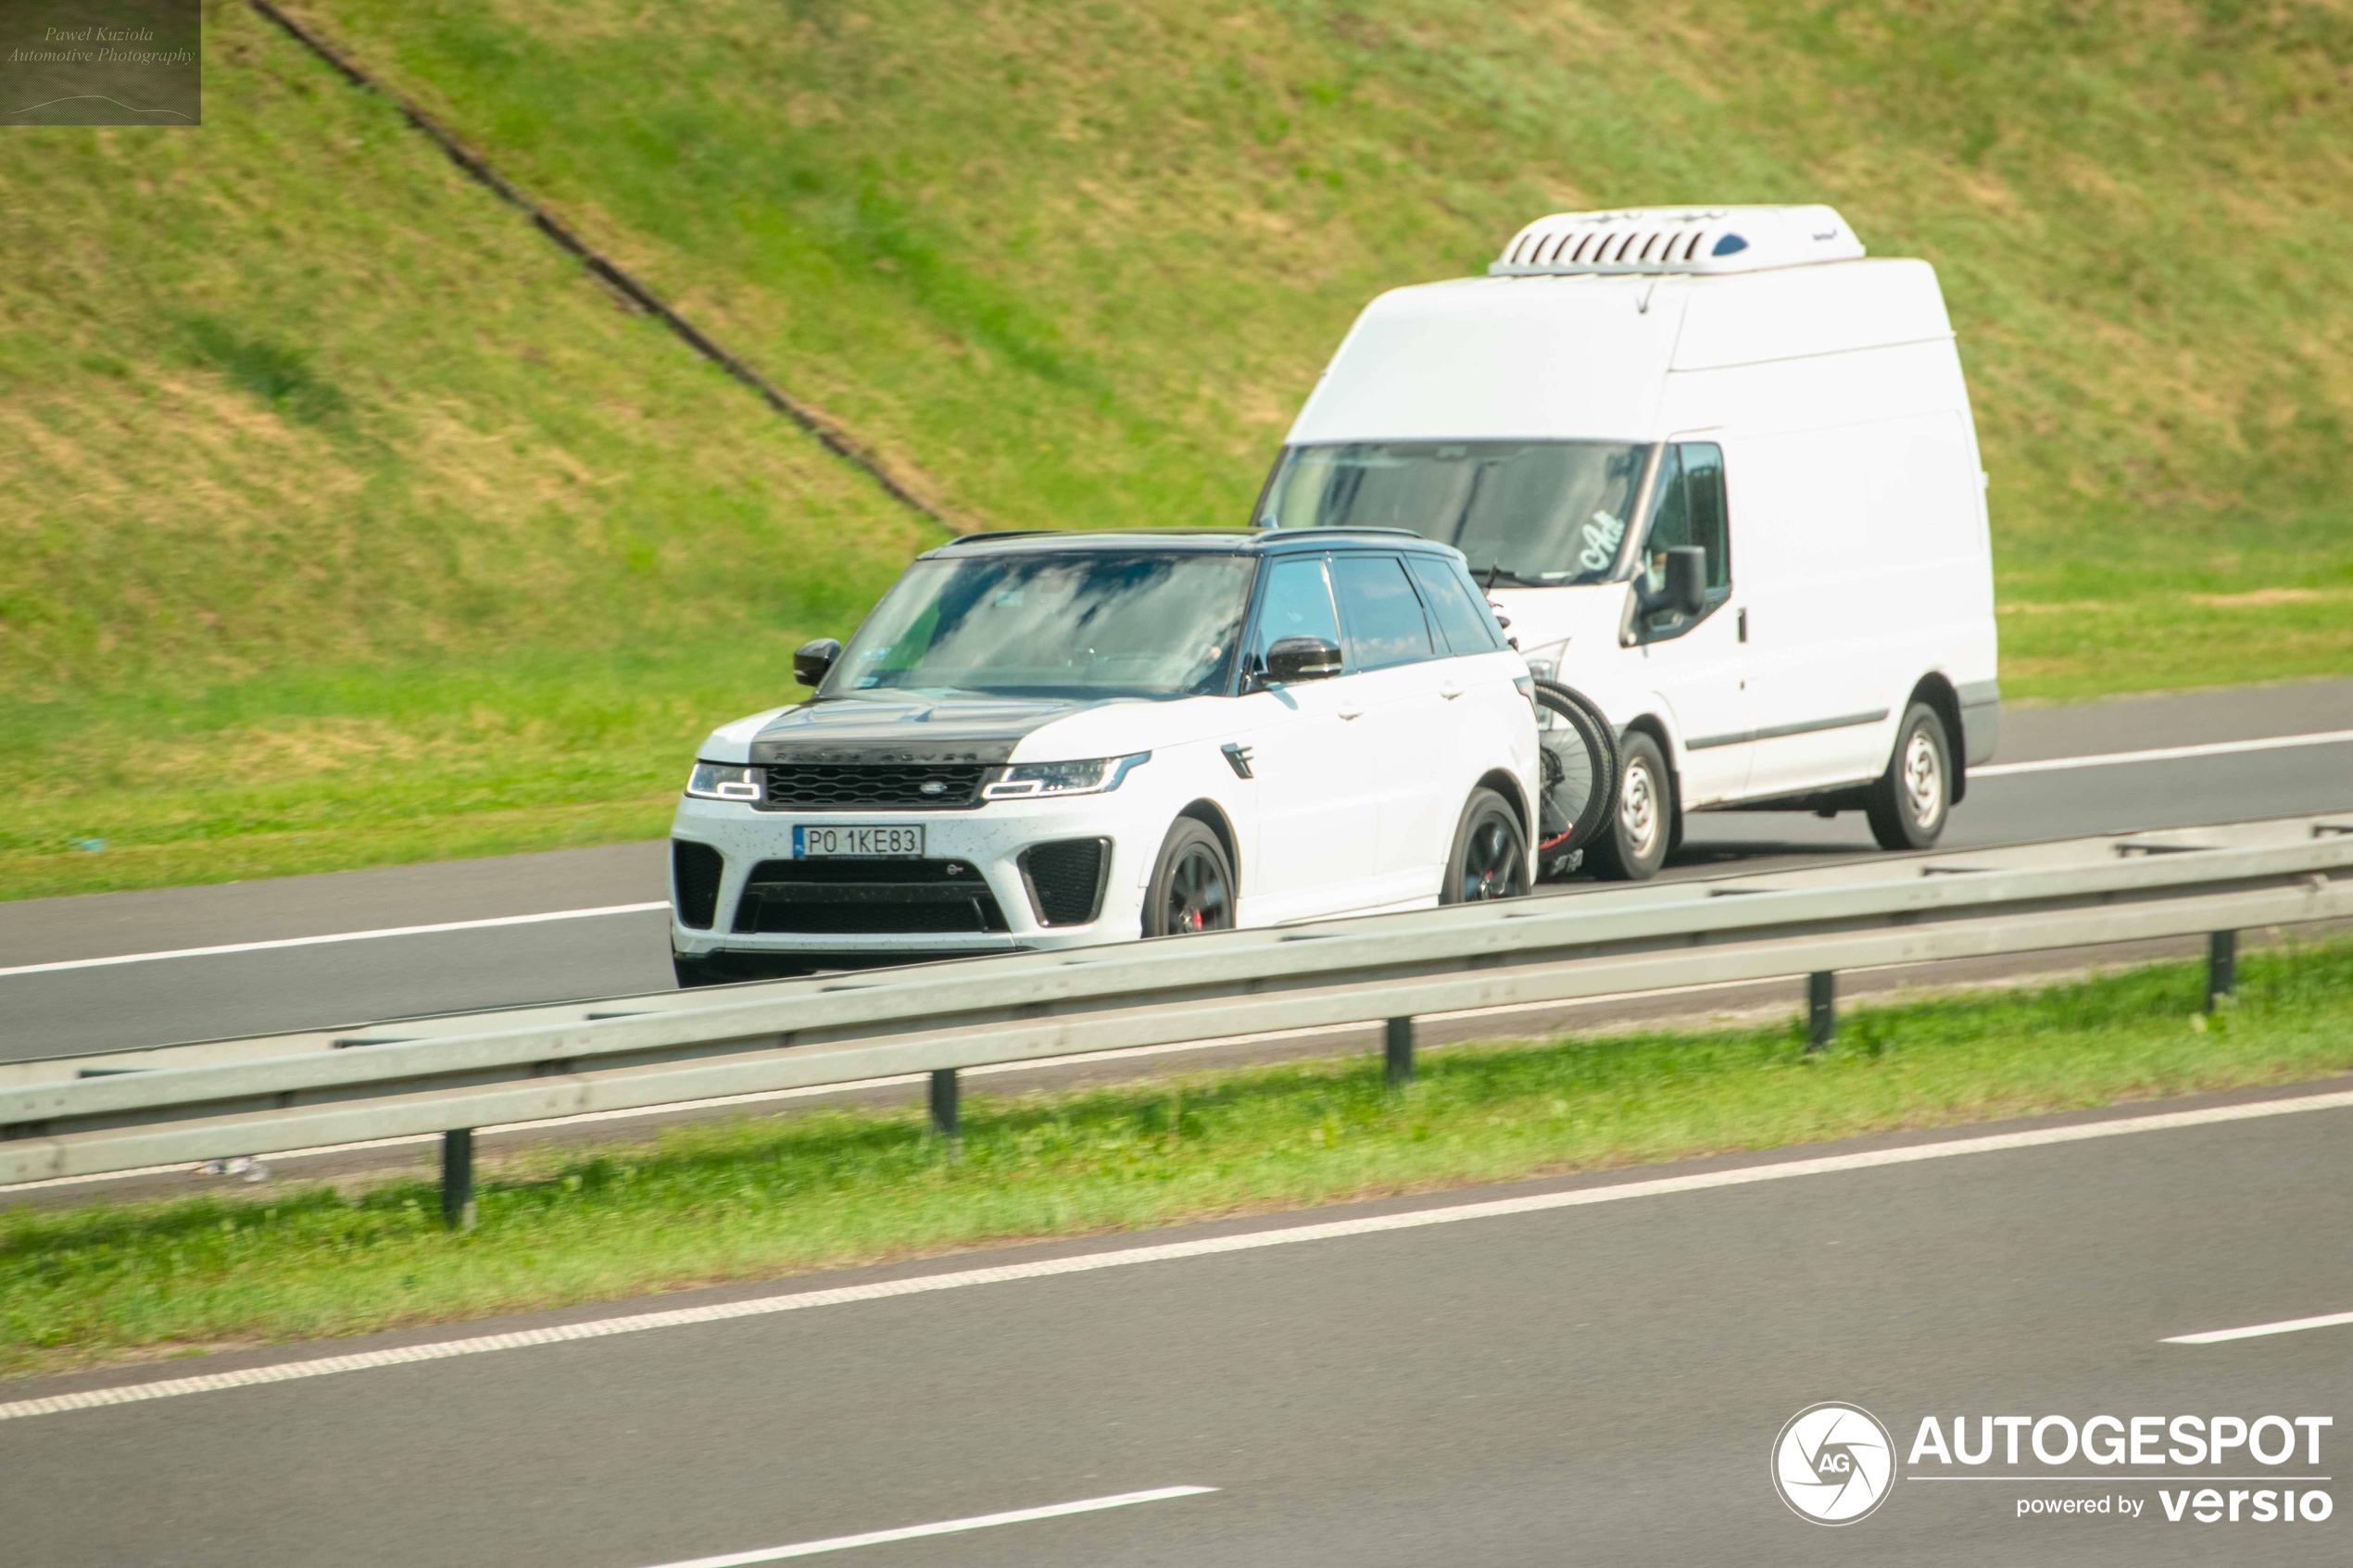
1861	557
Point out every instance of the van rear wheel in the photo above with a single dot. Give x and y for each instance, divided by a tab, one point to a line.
1642	829
1910	803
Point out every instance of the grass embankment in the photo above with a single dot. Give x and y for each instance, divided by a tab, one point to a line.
343	520
319	469
770	1196
1081	264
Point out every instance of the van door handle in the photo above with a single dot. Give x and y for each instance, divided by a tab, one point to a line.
1350	711
1449	690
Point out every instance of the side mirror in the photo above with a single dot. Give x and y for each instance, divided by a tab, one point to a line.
1302	658
1687	581
811	661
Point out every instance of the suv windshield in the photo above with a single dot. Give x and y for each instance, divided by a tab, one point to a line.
1538	513
1087	625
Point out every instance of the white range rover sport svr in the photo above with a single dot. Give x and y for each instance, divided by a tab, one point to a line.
1051	740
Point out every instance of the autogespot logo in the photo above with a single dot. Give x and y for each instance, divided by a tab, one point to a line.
1833	1463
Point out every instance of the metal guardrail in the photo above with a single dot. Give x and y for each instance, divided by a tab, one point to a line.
450	1075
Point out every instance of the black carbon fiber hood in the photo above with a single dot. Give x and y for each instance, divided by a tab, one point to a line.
859	730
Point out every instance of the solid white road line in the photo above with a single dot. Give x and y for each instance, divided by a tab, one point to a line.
1207	1247
944	1527
334	936
2162	754
2257	1330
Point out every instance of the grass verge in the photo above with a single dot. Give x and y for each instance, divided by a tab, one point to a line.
770	1196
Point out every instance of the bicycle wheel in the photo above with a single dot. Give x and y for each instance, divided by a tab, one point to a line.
1579	755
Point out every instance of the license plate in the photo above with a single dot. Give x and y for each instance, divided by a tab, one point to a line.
866	843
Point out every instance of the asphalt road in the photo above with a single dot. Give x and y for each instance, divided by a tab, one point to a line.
75	1012
1595	1383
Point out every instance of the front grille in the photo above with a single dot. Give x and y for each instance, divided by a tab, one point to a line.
1066	879
872	786
694	881
839	897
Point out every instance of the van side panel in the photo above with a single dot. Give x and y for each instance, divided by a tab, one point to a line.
1858	548
1815	392
1501	360
1810	310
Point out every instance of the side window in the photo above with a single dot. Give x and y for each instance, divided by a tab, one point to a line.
1463	617
1297	604
1385	621
1703	493
1688	510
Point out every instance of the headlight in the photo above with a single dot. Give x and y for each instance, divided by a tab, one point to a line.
1027	779
725	780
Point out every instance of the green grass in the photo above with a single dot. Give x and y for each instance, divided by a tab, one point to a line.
289	409
343	520
769	1196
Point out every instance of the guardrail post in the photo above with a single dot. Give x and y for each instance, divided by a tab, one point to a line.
2222	966
1397	1051
1821	1008
458	1179
943	1101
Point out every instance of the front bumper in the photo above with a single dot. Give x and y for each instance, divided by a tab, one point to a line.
968	895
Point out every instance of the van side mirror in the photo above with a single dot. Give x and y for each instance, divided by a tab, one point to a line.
811	661
1687	581
1302	658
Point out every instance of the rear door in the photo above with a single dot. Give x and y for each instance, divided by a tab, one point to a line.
1318	821
1407	722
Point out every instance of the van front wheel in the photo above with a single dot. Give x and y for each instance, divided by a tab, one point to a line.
1908	804
1641	831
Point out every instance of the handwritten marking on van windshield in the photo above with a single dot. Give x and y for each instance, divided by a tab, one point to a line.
1602	536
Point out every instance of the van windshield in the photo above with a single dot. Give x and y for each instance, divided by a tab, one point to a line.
1536	513
1092	624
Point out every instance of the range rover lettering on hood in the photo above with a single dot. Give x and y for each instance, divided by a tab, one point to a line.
855	731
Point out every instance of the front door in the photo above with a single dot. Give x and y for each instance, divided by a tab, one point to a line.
1698	665
1317	823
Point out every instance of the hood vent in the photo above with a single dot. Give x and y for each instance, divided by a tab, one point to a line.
1658	240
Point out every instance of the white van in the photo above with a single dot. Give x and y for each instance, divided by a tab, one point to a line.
1719	471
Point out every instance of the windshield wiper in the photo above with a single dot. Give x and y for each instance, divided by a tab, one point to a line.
1490	575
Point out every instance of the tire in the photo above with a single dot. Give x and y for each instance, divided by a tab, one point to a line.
1909	805
1577	753
1641	829
1490	856
1193	884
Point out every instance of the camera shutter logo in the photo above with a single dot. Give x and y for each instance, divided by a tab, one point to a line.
1833	1463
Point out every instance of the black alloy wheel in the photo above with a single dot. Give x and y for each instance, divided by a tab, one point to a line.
1909	802
1490	859
1193	884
